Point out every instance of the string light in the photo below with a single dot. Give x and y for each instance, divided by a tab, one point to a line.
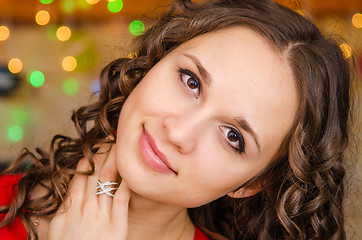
42	17
70	86
346	49
69	63
15	133
136	27
15	65
115	6
357	20
36	79
4	33
64	33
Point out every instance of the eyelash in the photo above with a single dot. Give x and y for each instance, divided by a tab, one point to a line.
184	72
240	148
241	144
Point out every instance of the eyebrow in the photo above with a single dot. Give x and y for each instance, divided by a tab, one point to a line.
203	72
245	125
240	121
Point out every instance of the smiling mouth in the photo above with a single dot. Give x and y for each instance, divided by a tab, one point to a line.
155	159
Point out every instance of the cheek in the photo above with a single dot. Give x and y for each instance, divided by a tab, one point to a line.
154	91
215	173
219	173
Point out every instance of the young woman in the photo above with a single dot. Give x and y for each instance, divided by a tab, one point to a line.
230	122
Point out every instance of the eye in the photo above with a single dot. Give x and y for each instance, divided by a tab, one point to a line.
191	81
233	138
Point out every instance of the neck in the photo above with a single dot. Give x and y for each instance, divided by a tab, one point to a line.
155	220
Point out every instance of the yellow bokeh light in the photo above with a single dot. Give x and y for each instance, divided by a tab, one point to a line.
300	12
357	20
4	33
346	49
42	18
63	33
92	1
69	63
15	65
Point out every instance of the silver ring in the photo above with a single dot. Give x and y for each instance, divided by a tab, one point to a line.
106	188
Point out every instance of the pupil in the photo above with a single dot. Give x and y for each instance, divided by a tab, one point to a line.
232	136
192	83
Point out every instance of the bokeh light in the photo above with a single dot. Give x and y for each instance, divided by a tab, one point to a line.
136	27
36	79
42	17
82	5
346	49
51	32
4	33
299	11
70	86
357	20
69	63
15	133
46	1
132	55
67	6
95	86
115	6
64	33
15	65
20	116
92	1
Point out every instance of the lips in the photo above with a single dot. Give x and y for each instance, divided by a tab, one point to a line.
156	159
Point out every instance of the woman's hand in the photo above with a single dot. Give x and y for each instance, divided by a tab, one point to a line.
86	215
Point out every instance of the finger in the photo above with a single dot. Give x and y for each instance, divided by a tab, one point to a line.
90	198
119	213
77	187
108	174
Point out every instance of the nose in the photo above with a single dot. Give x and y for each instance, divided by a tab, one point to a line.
183	131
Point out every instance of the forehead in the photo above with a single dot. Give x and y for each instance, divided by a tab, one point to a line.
237	50
249	78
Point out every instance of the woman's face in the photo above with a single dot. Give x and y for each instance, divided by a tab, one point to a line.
206	118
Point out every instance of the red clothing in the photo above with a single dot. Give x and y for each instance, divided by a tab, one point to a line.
16	230
200	235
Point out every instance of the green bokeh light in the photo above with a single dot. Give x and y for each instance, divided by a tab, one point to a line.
136	28
115	6
67	6
51	32
46	1
70	86
15	133
20	116
36	79
82	4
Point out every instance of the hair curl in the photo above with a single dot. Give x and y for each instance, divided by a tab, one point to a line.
303	188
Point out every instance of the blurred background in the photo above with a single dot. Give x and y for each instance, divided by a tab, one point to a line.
52	51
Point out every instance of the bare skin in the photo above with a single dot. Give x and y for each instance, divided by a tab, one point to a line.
191	125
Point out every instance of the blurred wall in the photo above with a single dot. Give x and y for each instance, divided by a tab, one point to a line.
44	111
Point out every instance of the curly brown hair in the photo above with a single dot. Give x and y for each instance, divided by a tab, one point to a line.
303	189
